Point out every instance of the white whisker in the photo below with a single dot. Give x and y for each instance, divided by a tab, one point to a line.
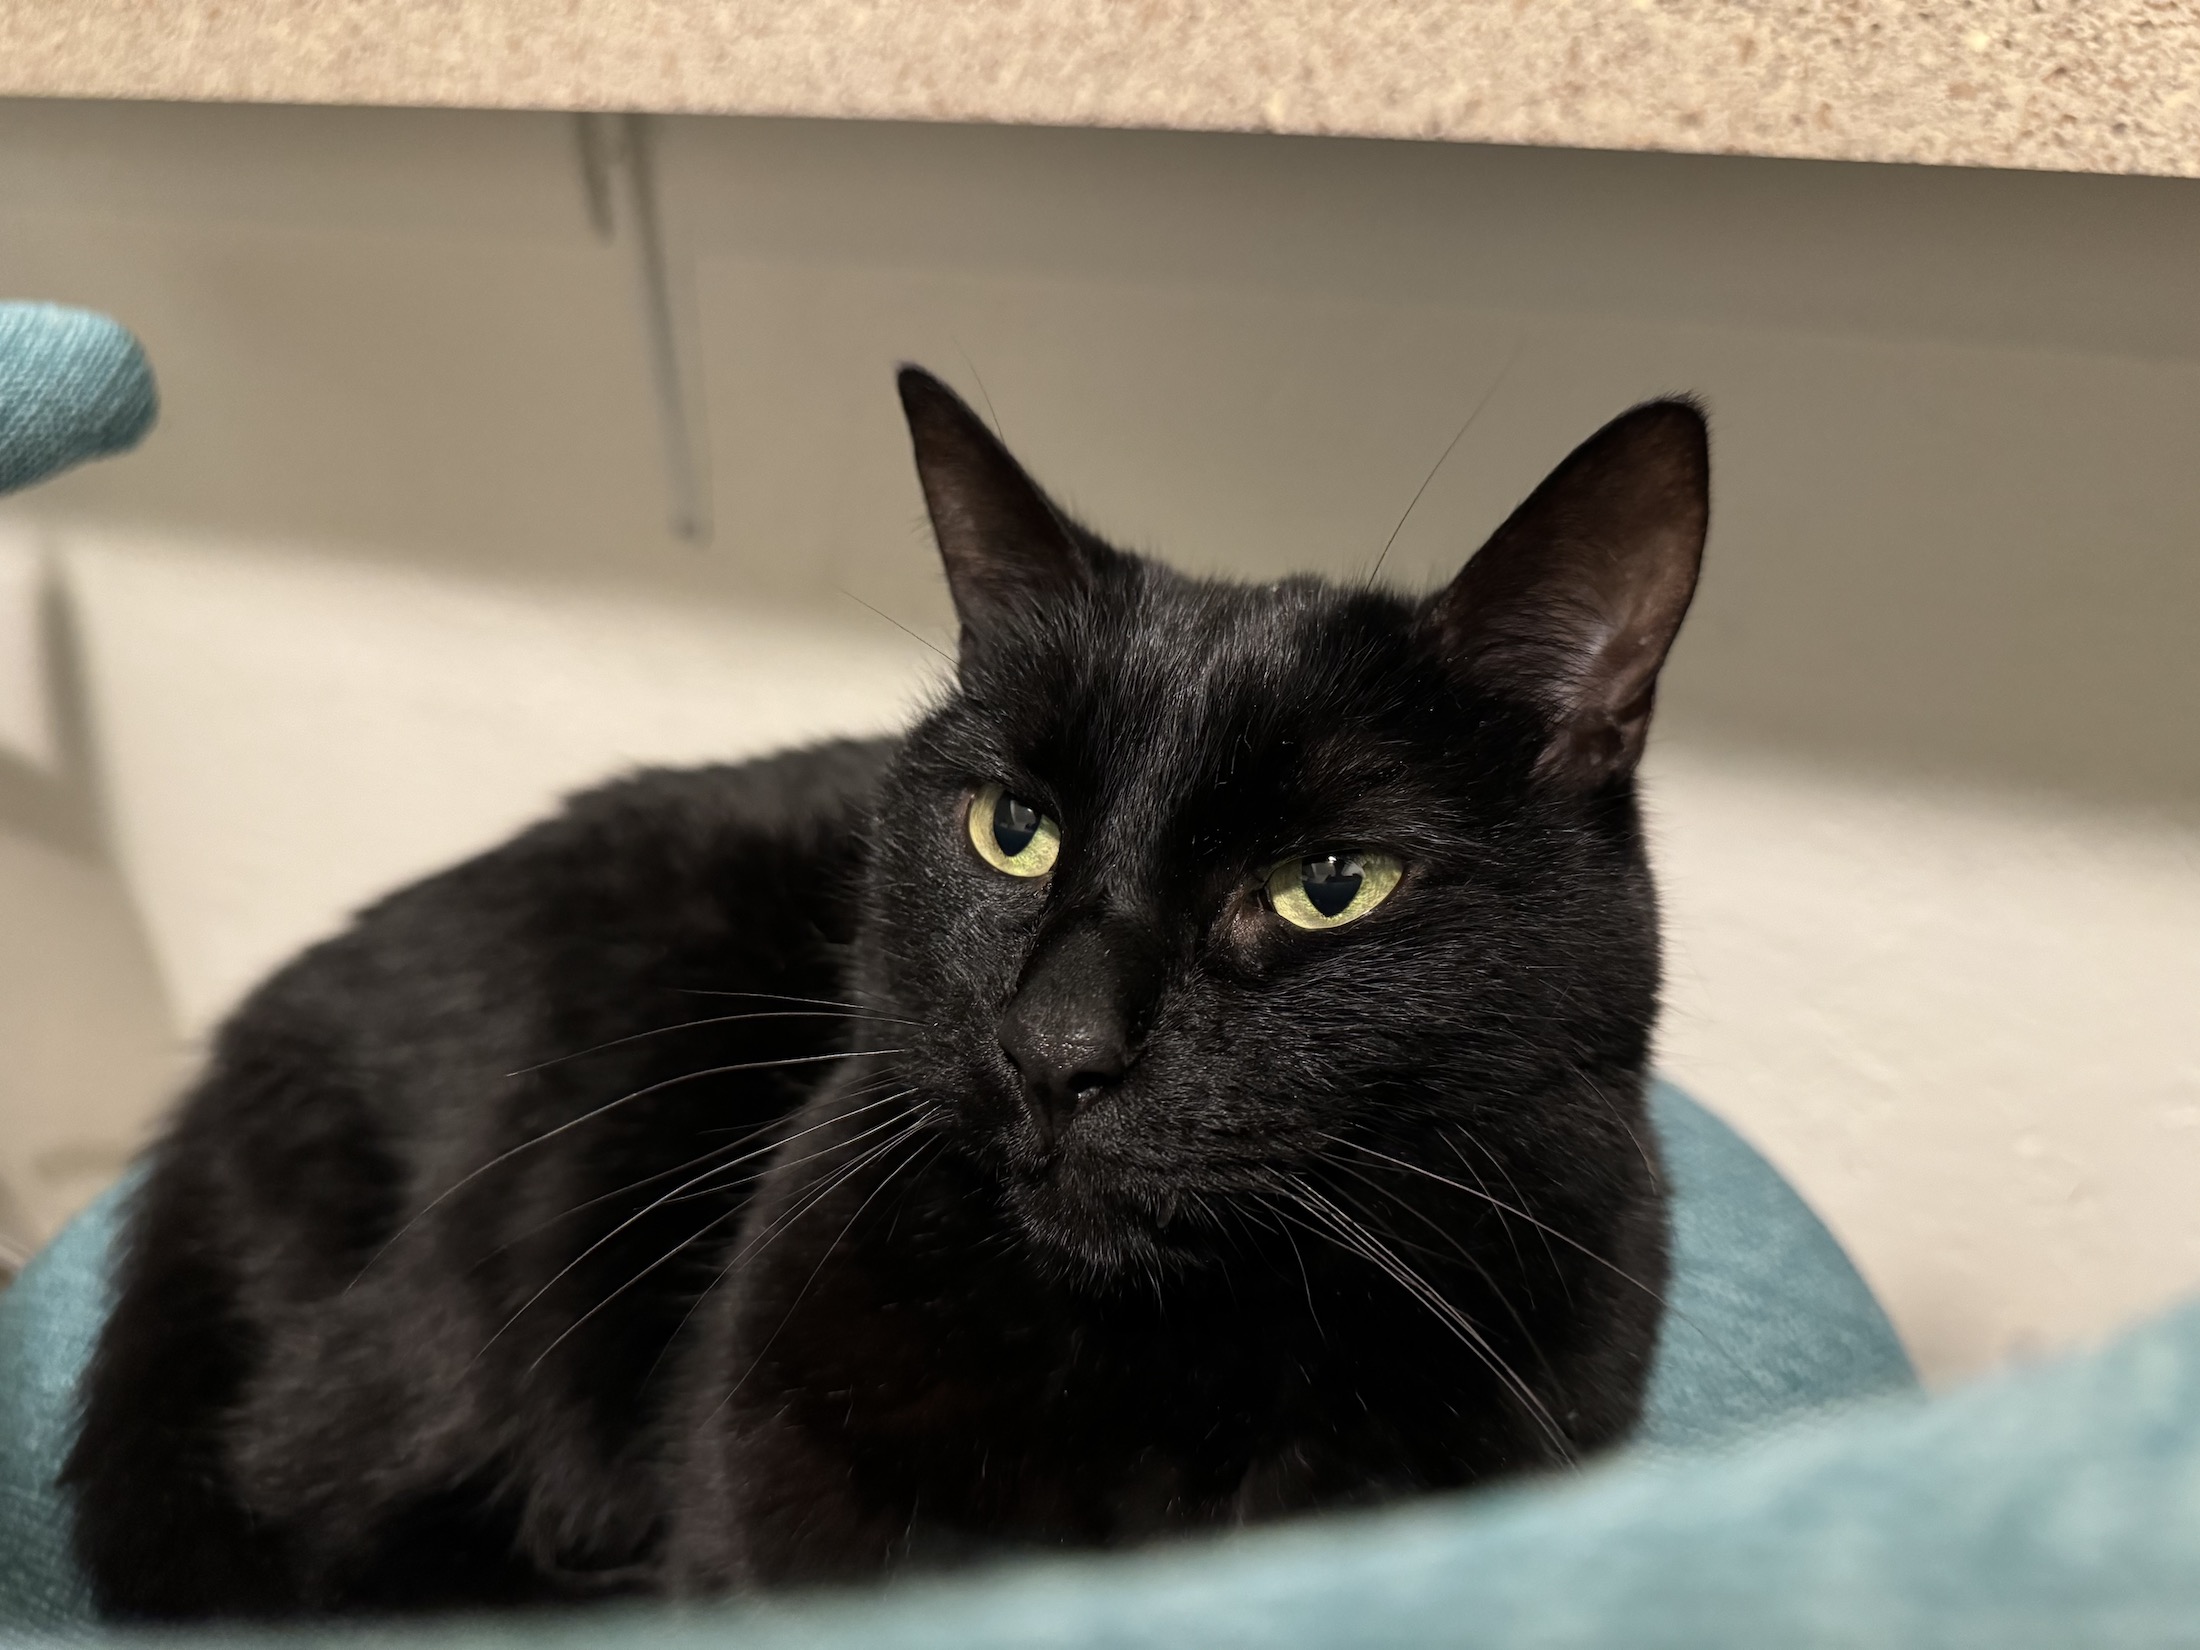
672	1196
794	1305
562	1335
1355	1237
693	1025
1457	1186
590	1116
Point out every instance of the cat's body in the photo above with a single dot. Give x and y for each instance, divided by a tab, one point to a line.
1248	1120
301	1411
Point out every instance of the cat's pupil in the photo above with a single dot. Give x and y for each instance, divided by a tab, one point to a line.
1014	825
1331	881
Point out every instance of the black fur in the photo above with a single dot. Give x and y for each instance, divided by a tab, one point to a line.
736	1181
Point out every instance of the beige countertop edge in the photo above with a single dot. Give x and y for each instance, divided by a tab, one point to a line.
2107	86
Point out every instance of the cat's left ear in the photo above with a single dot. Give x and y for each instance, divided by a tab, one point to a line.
1571	606
1006	547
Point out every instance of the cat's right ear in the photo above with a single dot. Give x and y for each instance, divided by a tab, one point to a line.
1006	548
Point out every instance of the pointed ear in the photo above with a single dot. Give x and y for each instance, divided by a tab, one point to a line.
1571	606
1006	547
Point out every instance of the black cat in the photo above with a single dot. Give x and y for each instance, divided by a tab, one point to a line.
1194	1076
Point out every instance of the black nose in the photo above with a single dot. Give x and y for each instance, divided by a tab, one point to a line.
1071	1029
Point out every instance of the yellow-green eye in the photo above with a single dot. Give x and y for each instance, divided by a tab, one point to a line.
1330	890
1012	836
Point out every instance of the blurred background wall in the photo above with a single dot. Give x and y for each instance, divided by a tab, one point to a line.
395	571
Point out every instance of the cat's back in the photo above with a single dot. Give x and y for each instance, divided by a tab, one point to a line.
418	1155
622	913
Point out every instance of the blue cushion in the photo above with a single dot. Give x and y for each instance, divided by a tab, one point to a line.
73	386
48	1320
1767	1322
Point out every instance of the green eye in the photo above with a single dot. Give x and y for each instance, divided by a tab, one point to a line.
1330	890
1013	836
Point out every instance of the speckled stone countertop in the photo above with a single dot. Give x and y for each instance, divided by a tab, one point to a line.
2075	85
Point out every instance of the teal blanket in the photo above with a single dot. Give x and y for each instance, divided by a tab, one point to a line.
73	386
1768	1323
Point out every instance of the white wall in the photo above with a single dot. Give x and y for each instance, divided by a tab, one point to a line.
394	570
1962	1019
283	735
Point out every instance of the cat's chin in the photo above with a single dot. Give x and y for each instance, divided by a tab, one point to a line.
1099	1238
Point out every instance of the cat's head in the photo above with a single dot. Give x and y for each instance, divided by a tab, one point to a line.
1197	889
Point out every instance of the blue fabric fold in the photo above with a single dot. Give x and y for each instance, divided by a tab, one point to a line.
1766	1320
49	1319
73	386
